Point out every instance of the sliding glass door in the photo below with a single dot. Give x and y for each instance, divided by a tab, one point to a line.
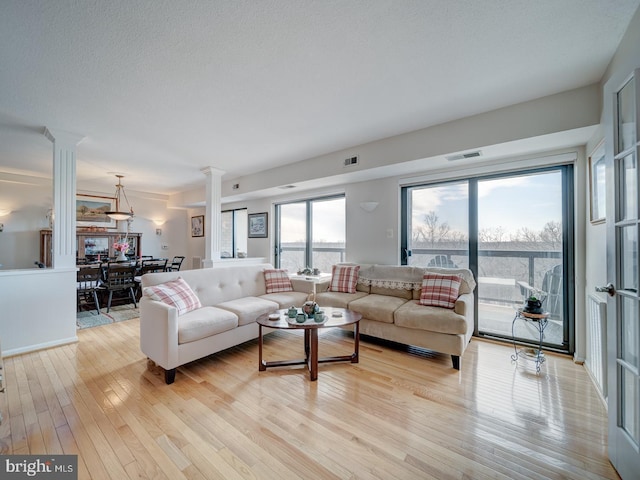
512	231
520	252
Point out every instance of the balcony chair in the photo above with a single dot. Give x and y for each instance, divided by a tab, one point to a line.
441	261
120	278
552	286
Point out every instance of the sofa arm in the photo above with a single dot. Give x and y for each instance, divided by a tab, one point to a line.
159	332
464	307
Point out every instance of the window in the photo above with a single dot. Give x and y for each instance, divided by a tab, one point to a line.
311	233
512	231
234	234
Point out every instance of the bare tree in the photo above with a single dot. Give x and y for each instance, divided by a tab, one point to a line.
431	221
552	233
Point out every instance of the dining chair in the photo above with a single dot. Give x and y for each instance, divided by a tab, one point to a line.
175	264
120	277
149	266
88	282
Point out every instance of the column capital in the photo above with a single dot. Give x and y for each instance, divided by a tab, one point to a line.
212	171
55	135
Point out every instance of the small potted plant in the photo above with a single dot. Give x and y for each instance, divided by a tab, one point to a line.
533	303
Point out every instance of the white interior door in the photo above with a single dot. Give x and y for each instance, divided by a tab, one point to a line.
623	229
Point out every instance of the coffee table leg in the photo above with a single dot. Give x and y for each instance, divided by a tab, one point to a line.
306	344
313	364
261	365
355	358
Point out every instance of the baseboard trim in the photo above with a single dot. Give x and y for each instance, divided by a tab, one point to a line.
40	346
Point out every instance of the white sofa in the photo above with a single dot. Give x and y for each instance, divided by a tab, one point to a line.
388	298
232	299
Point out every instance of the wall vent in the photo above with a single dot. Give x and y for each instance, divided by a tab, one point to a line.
196	263
351	161
462	156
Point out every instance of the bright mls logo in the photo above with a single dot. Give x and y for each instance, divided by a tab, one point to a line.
59	467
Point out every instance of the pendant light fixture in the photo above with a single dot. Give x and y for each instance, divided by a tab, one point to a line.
120	214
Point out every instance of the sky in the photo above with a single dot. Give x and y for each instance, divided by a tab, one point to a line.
510	203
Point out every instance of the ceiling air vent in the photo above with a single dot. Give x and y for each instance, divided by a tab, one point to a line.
462	156
351	161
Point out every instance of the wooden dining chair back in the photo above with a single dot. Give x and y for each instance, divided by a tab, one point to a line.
120	277
175	264
89	281
149	266
155	265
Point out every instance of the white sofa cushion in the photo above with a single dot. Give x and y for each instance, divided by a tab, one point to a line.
204	322
248	309
286	299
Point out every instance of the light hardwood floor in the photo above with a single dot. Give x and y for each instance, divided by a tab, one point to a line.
395	415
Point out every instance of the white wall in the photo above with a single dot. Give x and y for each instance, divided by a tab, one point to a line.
29	201
35	311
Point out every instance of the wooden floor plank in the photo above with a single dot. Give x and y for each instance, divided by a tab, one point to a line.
398	414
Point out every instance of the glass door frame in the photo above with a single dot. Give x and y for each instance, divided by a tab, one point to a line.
568	239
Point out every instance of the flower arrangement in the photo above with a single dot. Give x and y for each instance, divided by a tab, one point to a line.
121	246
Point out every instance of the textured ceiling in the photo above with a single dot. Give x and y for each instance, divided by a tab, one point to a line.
161	88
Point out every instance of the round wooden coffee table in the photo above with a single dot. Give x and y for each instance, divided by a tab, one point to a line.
336	317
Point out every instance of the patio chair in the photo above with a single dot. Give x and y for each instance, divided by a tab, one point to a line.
442	261
552	287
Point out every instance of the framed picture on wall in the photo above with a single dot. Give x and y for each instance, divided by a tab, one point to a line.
258	226
597	185
90	211
197	226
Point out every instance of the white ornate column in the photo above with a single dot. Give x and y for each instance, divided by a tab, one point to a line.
64	196
213	215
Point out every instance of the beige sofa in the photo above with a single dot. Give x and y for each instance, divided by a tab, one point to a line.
387	297
232	299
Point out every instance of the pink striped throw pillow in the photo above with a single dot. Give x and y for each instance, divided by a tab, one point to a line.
344	278
176	293
440	290
277	281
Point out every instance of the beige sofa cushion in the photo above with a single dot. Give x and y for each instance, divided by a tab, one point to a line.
286	299
434	319
204	322
248	309
377	307
337	299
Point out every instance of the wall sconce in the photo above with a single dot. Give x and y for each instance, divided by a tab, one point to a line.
368	206
158	221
